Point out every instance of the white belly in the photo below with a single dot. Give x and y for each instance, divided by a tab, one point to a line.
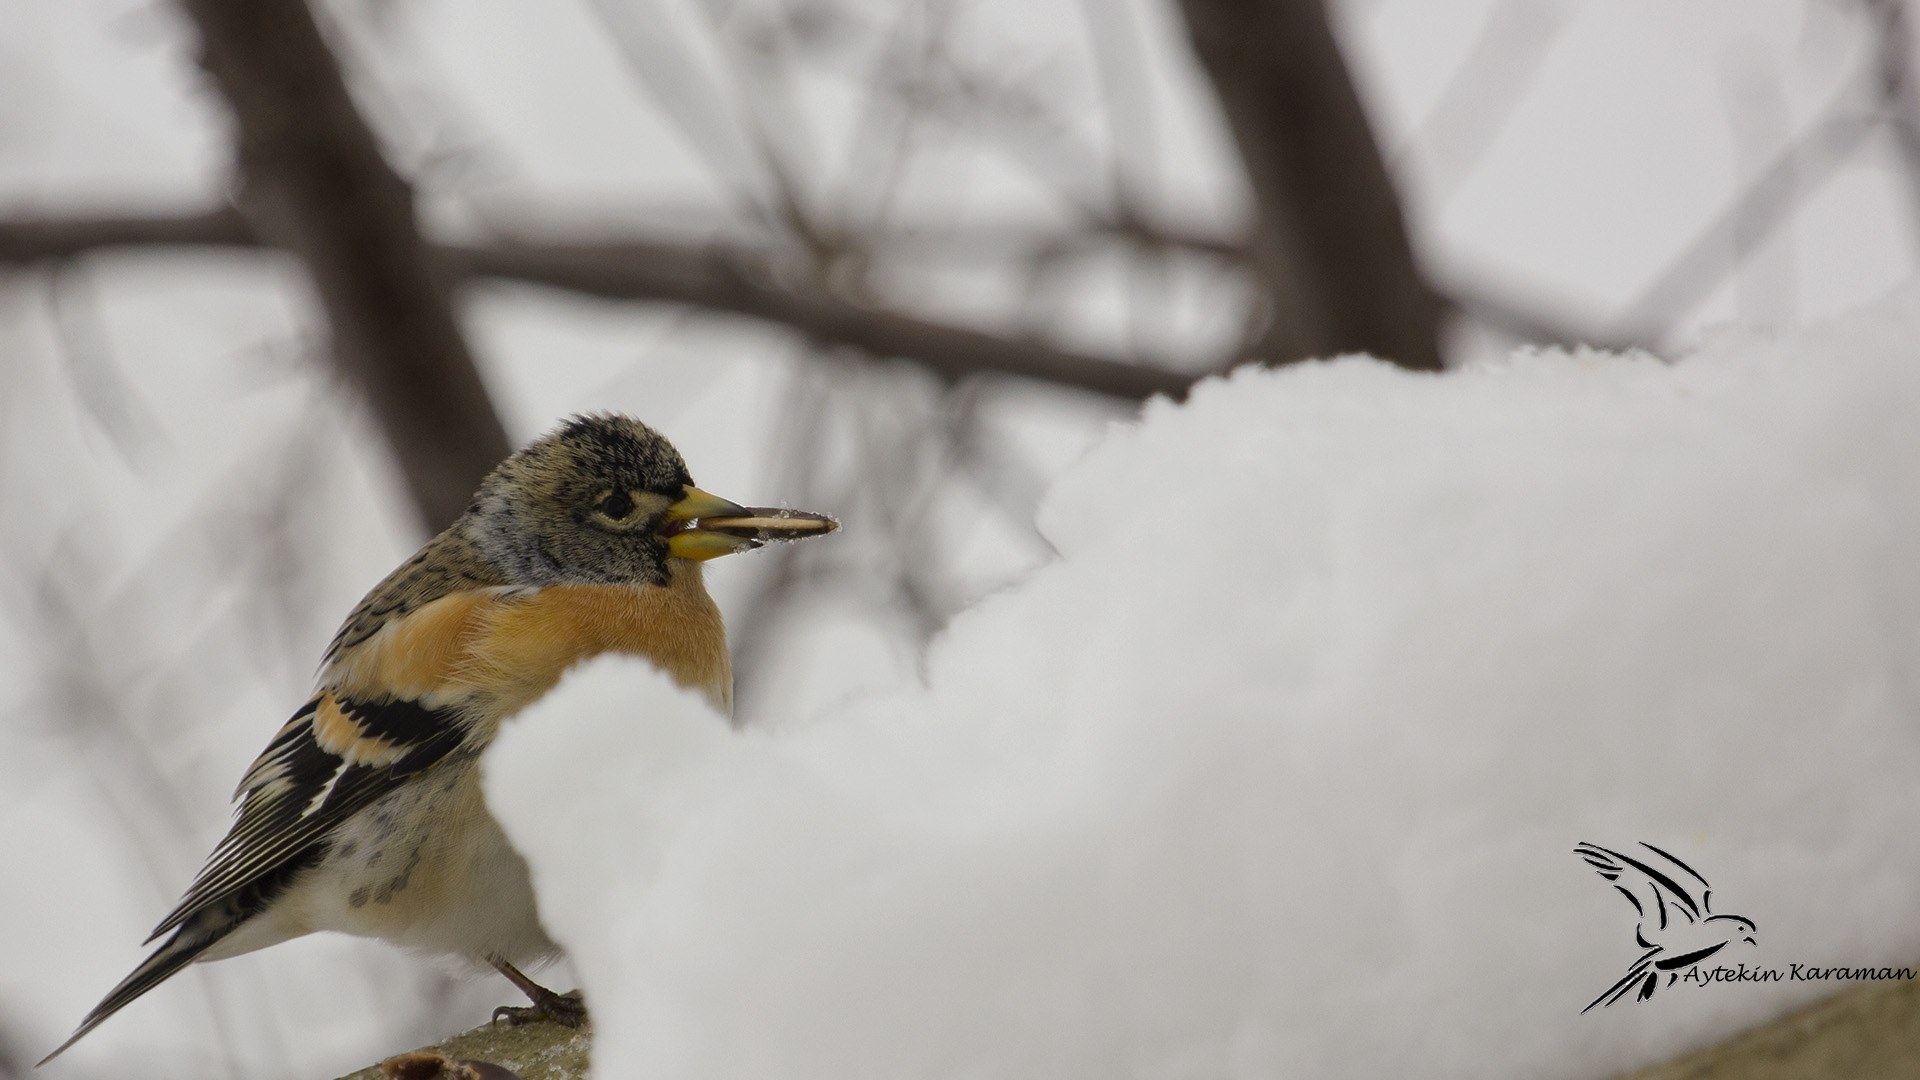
425	867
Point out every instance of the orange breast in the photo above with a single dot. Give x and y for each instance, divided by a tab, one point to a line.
511	647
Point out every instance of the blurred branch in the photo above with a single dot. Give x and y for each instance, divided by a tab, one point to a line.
1488	85
33	240
1794	176
742	281
316	184
796	451
731	282
1330	242
527	1051
651	47
1746	223
716	278
113	404
1895	85
29	240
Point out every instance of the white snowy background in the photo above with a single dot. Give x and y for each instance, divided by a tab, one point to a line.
1467	621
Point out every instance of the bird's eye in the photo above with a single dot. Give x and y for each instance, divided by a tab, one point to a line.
615	506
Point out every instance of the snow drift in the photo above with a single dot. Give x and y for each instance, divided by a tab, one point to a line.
1278	771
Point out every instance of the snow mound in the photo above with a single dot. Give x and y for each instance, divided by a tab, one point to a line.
1279	770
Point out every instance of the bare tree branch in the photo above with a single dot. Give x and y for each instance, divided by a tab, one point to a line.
723	283
1731	237
1895	84
1489	84
746	282
1330	242
35	240
92	370
317	185
1794	176
714	278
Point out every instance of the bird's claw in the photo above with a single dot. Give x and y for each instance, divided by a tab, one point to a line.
567	1010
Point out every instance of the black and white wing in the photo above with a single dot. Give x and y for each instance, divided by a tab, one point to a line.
332	759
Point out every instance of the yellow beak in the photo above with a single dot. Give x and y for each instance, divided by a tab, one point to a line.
706	526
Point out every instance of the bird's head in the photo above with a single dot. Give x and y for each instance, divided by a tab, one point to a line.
605	499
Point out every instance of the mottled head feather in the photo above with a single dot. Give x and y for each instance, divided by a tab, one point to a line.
540	516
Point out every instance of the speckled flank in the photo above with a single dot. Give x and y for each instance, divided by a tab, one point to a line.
425	867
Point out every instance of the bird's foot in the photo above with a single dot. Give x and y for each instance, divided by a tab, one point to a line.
567	1010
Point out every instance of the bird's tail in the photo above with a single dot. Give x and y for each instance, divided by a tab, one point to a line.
186	945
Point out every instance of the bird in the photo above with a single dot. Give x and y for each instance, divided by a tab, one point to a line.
1677	926
364	813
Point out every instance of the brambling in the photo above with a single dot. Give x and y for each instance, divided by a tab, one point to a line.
364	814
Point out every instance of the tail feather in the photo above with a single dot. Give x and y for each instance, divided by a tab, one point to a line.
202	929
186	944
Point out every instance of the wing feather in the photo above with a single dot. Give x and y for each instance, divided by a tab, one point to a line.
333	758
